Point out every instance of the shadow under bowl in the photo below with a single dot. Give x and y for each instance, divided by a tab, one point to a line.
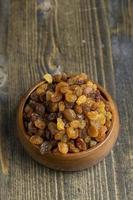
70	161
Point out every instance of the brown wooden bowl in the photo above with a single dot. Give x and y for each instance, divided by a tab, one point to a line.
70	161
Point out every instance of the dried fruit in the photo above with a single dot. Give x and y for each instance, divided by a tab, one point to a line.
36	139
53	107
81	144
61	85
60	124
39	123
51	116
34	96
92	143
40	109
57	78
70	97
72	148
69	114
93	131
58	136
56	97
78	91
87	90
108	116
75	124
40	132
72	133
61	106
87	139
41	89
63	147
45	147
52	127
48	78
48	95
78	109
102	134
31	128
82	99
93	115
82	124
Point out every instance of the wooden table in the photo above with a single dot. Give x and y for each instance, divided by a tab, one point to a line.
93	36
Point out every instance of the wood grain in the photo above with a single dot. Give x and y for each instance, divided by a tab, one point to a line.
91	36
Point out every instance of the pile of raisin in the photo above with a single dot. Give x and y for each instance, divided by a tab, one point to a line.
66	114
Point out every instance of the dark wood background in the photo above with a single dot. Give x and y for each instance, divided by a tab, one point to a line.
93	36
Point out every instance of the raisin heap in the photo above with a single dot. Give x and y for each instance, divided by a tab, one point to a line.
66	114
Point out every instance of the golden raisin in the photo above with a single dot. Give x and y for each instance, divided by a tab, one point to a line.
92	85
61	106
64	89
108	115
36	139
101	107
48	95
39	123
72	133
102	118
42	89
78	91
62	147
75	124
102	134
82	99
48	78
93	115
70	97
108	124
60	85
58	136
60	124
93	131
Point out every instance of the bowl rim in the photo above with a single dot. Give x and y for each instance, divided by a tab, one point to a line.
20	123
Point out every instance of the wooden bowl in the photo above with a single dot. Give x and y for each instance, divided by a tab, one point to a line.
70	161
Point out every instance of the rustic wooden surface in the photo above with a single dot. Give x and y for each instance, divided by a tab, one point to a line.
94	36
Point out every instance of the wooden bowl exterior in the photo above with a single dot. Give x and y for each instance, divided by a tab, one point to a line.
73	161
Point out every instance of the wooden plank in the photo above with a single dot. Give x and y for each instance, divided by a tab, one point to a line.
91	36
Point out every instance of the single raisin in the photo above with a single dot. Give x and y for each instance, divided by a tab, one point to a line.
45	147
72	133
39	123
40	109
70	97
82	99
69	114
81	144
36	139
63	147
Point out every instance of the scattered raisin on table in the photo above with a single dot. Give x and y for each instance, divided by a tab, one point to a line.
66	114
